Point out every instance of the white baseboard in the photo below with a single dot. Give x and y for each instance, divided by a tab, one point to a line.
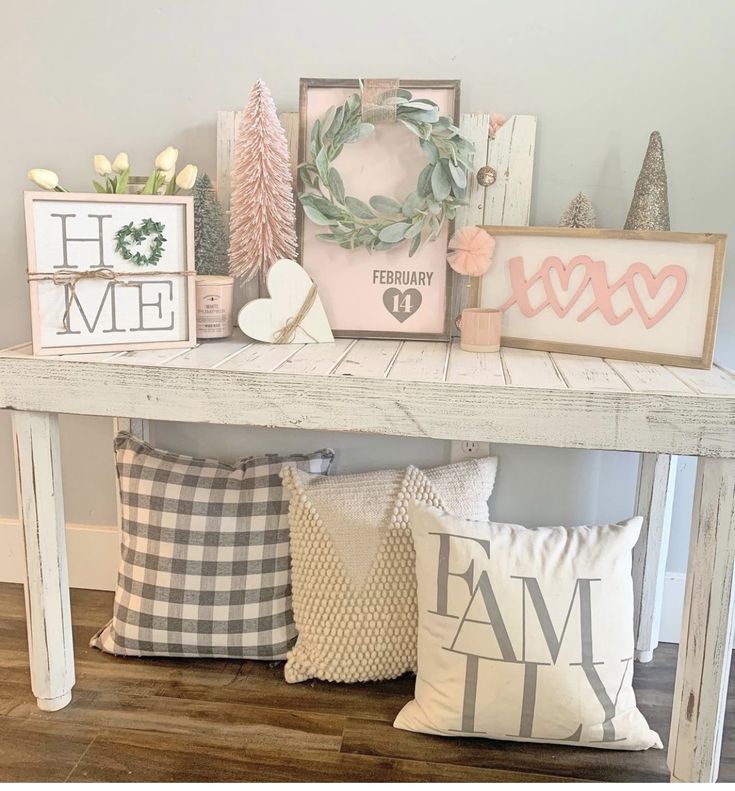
93	552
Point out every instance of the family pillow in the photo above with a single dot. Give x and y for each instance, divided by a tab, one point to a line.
525	634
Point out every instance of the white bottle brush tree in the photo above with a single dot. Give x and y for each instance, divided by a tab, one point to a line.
580	213
262	214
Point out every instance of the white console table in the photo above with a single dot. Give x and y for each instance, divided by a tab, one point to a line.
413	389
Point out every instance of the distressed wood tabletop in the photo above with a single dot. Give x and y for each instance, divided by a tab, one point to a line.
405	388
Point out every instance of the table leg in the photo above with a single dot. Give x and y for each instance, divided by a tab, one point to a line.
654	502
703	666
48	611
139	427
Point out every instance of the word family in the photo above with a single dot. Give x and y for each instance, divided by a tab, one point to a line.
536	652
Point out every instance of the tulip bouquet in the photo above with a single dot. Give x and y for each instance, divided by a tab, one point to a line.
115	173
163	180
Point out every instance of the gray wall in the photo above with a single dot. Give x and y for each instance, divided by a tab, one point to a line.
85	76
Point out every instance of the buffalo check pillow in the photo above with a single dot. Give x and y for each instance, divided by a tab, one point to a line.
205	555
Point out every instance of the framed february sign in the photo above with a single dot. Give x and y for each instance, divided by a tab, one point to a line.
638	295
383	171
110	272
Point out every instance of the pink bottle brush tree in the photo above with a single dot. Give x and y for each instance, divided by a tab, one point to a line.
262	214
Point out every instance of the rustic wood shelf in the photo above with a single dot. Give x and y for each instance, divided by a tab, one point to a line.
413	389
405	388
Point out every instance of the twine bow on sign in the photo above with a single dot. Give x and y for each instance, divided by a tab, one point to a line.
287	332
71	277
376	105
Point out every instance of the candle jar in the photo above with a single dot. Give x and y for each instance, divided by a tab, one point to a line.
214	306
480	330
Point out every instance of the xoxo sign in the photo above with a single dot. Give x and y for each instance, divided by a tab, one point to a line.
565	284
644	296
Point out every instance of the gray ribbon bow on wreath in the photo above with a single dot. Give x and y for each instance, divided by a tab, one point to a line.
378	105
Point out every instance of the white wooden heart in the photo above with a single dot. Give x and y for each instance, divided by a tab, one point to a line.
288	286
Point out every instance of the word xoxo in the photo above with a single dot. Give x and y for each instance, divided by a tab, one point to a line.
564	285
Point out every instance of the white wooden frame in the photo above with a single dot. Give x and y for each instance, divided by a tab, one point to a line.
307	86
187	272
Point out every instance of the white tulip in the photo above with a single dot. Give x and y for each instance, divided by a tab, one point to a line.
186	178
168	174
102	165
46	179
120	163
166	160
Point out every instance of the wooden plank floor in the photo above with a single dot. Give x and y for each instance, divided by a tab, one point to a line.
221	720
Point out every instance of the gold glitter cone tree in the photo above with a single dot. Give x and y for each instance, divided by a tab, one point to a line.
649	209
262	214
579	213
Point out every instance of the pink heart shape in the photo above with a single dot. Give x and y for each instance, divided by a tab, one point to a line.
654	283
564	273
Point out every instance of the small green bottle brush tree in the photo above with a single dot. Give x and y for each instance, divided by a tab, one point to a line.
210	229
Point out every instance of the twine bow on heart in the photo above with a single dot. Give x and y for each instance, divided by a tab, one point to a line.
287	332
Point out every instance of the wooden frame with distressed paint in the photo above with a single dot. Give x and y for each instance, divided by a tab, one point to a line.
306	84
30	197
700	360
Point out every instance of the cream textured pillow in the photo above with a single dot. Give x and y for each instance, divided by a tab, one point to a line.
353	566
525	634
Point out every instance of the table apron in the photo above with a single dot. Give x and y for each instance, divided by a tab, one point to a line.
661	423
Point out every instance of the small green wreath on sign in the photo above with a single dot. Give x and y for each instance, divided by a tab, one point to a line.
386	222
130	233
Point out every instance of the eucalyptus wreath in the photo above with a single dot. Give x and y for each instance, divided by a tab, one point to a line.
137	234
384	222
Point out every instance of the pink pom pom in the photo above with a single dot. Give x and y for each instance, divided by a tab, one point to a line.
496	121
471	249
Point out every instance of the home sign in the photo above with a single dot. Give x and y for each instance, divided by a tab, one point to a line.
110	272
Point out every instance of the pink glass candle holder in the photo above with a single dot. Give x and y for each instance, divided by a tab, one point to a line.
214	306
480	330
